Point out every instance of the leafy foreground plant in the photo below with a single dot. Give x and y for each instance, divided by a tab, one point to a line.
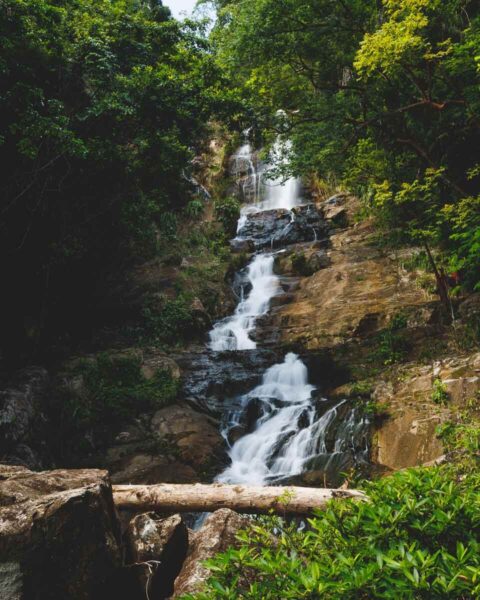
416	538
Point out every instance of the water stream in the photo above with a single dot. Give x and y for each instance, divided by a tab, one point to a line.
285	428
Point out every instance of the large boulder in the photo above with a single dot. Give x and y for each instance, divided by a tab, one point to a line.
158	548
216	535
22	422
277	228
59	535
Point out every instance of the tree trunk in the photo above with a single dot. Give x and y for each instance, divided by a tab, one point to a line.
244	499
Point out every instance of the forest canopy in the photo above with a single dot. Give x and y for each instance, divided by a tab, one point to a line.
381	97
103	105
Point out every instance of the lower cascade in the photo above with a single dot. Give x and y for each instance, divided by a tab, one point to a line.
294	431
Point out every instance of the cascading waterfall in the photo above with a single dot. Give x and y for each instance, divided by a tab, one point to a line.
233	333
294	431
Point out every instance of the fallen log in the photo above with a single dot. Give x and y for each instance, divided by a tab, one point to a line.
167	497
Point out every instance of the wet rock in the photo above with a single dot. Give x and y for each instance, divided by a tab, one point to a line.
242	245
22	422
230	374
215	536
277	228
59	535
158	548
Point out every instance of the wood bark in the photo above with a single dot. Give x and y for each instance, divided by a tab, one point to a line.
243	499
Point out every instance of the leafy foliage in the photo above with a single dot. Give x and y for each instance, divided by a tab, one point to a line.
103	105
382	96
416	537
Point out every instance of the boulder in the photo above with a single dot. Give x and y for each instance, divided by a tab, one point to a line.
193	435
216	535
59	535
22	422
277	228
158	548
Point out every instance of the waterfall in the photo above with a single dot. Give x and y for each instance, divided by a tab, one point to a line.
233	333
291	430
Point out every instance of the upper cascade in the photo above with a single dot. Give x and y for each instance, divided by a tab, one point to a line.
234	333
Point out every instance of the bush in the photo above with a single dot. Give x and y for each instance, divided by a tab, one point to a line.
171	323
228	212
416	538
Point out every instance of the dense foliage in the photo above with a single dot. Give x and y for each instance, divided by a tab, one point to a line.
382	97
417	537
103	104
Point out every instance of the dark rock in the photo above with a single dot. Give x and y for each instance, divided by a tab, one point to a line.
277	228
318	260
241	245
470	307
22	422
230	374
216	535
59	535
158	548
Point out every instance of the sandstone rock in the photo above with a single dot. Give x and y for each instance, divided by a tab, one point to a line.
335	305
158	548
194	435
408	437
215	536
140	467
22	420
336	214
59	535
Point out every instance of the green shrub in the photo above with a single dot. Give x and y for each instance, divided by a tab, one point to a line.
392	343
228	212
171	322
439	392
116	389
416	538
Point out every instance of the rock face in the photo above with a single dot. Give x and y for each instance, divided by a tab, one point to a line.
22	439
158	548
176	445
59	535
362	289
408	437
236	373
275	228
216	535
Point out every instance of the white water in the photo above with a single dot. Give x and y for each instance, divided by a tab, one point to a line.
233	333
267	193
290	431
277	448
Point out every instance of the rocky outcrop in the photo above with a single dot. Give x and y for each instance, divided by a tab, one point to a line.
408	437
22	420
363	288
278	228
216	534
176	445
158	548
59	535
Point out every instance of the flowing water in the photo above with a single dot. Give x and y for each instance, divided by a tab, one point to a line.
292	430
